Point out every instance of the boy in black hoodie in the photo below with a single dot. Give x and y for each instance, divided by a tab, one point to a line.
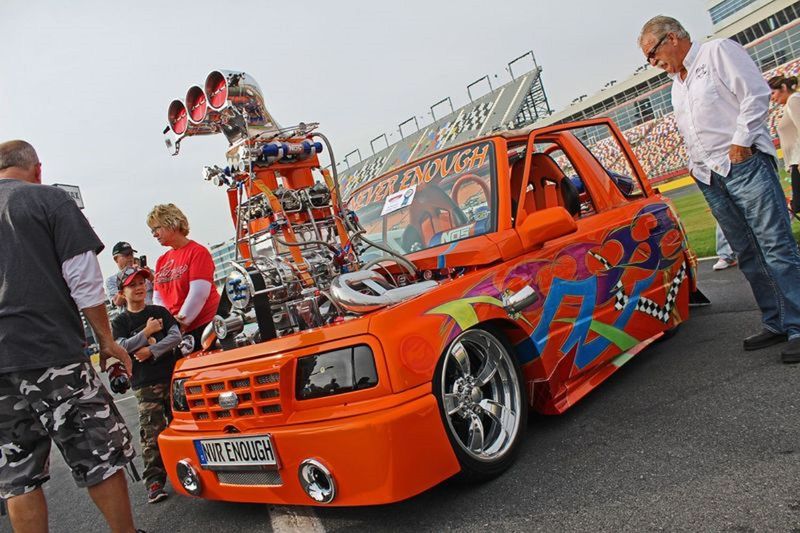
151	335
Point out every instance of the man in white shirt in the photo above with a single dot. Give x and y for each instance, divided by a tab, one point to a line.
721	103
49	390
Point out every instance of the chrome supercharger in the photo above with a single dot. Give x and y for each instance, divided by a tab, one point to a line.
297	263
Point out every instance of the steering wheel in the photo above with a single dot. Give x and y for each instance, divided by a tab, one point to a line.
412	240
470	178
427	203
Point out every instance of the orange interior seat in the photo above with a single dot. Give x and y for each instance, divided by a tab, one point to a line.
552	188
550	194
430	225
529	201
432	212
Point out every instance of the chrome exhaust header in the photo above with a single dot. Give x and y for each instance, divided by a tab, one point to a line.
239	103
230	102
346	290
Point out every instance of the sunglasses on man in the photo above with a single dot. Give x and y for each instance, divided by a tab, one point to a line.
651	55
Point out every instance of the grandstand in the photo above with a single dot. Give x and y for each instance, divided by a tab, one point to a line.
641	105
515	104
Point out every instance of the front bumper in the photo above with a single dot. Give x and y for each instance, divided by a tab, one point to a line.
375	458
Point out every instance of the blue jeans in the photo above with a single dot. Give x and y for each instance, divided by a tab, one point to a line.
750	207
724	250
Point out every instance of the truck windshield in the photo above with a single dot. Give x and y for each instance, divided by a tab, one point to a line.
442	199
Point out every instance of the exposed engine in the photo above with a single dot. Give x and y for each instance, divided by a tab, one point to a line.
298	249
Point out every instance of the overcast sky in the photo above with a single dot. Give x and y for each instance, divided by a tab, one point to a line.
88	82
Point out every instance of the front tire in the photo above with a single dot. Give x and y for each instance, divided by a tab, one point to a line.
479	387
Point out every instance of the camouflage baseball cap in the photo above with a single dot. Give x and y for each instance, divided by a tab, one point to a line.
126	277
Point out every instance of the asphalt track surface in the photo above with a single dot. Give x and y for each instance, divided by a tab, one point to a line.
694	434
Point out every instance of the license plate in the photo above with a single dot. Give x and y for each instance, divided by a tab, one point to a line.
236	453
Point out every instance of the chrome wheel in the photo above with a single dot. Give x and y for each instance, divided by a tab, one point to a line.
481	396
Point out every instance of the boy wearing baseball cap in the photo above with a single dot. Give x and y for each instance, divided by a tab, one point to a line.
150	335
123	254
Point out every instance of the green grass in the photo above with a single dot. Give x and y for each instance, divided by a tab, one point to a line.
700	224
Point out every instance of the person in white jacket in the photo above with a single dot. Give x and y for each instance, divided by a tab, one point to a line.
721	104
784	93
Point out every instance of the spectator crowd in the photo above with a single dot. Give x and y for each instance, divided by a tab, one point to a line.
163	312
658	144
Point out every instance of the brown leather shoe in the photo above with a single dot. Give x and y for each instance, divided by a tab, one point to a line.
763	340
791	354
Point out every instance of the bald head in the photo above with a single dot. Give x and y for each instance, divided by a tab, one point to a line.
18	160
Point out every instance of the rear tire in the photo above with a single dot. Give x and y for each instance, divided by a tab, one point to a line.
479	388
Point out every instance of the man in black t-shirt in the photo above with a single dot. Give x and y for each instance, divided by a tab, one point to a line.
151	335
49	390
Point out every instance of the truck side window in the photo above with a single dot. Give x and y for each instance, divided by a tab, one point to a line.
574	195
604	146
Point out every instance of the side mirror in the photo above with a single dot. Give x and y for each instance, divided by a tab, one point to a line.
545	225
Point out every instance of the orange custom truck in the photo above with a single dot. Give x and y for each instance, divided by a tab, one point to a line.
387	335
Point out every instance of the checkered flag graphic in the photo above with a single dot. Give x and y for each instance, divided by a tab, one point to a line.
621	299
447	133
602	260
473	120
372	170
648	306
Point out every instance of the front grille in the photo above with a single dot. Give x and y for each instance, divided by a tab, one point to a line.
267	378
266	394
258	395
260	477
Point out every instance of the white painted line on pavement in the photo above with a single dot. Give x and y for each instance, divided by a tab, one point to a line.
291	519
125	398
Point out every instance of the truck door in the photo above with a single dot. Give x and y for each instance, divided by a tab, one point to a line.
607	286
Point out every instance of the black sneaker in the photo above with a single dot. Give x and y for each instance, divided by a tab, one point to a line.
155	492
762	340
791	354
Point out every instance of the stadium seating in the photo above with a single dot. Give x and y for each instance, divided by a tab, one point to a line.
658	145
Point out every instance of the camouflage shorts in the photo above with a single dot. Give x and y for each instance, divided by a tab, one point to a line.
154	415
69	405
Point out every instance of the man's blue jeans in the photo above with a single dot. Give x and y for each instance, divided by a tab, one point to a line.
724	250
750	207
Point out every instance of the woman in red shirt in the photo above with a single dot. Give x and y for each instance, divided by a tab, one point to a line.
184	277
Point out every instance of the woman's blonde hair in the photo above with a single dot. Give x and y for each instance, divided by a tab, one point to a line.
168	216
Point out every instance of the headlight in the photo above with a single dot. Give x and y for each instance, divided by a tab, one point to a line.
179	402
336	372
